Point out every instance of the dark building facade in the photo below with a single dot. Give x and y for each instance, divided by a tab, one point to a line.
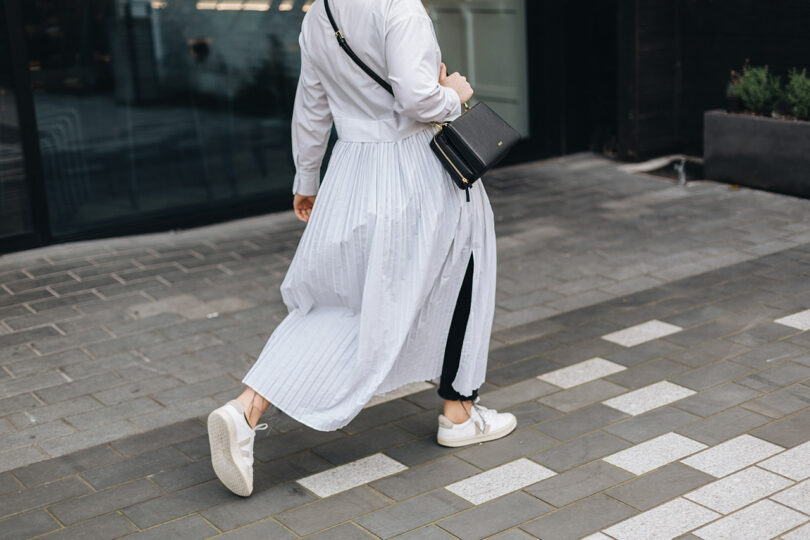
130	116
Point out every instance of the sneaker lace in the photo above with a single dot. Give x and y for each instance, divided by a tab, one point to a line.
484	413
248	451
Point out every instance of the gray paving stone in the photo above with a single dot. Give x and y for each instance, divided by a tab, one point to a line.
383	413
420	425
579	519
581	421
770	354
101	502
191	528
40	415
495	516
776	377
651	424
578	483
660	485
136	389
325	513
52	469
419	451
516	393
17	403
186	475
168	416
413	513
284	444
363	444
514	534
717	399
63	391
8	483
532	413
520	371
235	513
520	351
27	525
109	526
138	444
179	503
423	478
723	426
24	500
647	373
579	396
191	392
708	353
788	431
35	435
39	382
517	444
110	414
430	532
579	451
712	375
146	464
782	402
350	531
80	440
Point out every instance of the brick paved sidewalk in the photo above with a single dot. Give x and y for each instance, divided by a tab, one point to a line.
646	337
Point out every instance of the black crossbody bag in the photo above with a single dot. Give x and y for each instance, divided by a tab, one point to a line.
468	146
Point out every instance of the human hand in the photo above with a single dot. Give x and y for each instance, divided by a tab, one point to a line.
302	204
457	82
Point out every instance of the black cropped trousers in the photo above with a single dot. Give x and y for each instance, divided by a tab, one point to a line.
455	338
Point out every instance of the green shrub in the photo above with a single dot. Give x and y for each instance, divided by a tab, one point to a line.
758	89
797	93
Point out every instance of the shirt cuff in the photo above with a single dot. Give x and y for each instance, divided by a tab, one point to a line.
306	183
453	103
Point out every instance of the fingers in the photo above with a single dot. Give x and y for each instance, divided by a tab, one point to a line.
443	71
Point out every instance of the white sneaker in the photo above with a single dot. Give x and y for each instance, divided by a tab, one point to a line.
482	425
231	439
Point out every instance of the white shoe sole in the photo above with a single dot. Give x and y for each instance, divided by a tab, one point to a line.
483	437
225	454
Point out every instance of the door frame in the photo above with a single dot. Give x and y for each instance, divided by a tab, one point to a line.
29	135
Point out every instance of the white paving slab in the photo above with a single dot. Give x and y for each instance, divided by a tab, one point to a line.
597	536
759	521
351	475
649	397
739	489
664	522
499	481
642	333
732	455
657	452
802	533
580	373
800	320
797	497
793	463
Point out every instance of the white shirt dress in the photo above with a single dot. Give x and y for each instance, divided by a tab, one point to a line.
373	283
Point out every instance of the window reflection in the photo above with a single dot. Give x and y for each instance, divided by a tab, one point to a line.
148	106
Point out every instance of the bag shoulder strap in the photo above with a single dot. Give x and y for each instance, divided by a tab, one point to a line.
341	39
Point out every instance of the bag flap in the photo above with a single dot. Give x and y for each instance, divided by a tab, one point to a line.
481	137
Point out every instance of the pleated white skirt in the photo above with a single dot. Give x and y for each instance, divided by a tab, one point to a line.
373	283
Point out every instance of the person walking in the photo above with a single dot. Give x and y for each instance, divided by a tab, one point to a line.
393	280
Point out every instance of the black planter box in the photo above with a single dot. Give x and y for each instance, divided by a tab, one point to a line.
756	151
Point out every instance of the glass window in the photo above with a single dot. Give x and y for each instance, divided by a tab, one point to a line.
153	106
15	208
485	40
